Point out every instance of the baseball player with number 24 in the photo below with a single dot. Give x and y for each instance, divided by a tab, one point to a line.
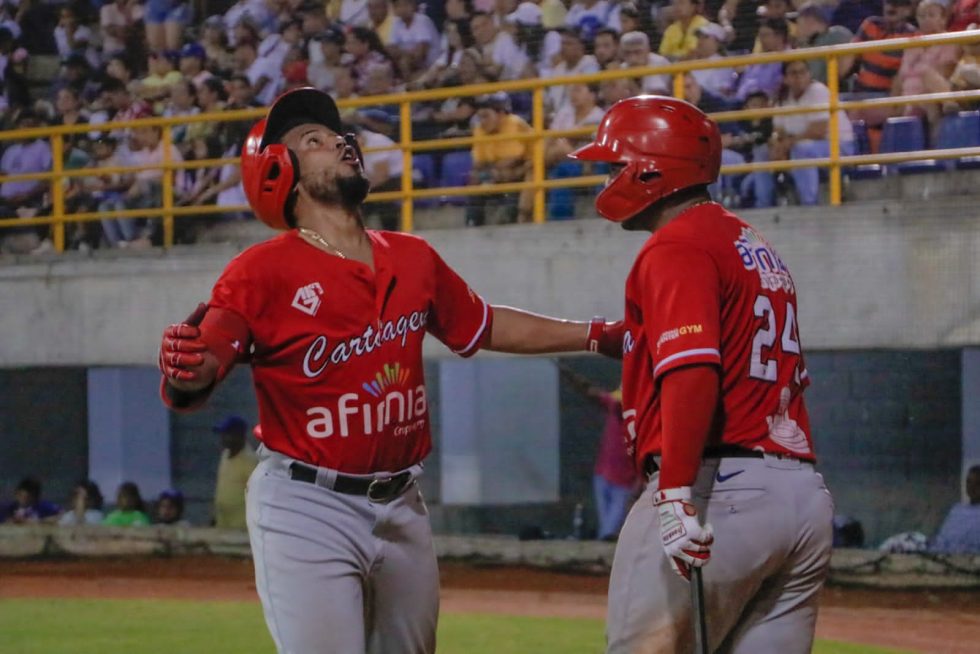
331	317
713	380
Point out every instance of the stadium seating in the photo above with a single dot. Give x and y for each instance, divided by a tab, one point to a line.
961	130
424	176
907	134
456	168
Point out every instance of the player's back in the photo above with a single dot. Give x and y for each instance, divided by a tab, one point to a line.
713	290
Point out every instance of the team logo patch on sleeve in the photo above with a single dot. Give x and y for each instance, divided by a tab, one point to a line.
307	298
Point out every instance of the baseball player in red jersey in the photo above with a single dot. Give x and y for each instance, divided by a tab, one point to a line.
713	380
331	318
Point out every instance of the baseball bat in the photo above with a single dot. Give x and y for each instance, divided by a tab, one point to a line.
697	604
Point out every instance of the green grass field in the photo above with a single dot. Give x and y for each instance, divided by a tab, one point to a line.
64	626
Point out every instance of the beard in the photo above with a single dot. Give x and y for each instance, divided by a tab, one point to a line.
348	191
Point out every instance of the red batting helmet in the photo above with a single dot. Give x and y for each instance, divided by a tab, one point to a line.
270	170
666	145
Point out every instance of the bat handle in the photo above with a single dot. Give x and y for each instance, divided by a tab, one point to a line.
697	605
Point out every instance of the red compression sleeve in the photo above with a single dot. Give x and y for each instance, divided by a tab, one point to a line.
688	403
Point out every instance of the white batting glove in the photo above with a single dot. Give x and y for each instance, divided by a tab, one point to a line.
686	542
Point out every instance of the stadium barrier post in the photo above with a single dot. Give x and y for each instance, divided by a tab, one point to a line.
167	188
833	85
58	191
537	172
405	139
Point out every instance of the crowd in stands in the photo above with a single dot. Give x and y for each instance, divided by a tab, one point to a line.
124	59
86	505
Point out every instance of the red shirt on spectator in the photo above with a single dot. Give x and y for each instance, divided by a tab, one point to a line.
963	13
612	463
877	69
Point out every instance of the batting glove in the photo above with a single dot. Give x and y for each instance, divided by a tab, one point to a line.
606	338
686	542
182	351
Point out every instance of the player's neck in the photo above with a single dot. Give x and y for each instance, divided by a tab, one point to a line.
341	226
665	210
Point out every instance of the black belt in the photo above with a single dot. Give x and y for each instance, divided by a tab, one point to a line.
651	466
377	490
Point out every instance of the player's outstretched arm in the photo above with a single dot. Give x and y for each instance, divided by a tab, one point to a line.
521	332
196	354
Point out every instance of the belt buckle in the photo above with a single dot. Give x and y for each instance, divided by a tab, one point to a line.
382	491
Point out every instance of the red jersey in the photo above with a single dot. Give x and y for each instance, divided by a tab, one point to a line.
336	349
708	288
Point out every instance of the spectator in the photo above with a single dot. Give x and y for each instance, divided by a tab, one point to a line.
499	161
574	61
315	23
214	38
107	191
170	509
850	14
582	110
182	102
966	75
263	77
774	37
927	70
118	67
72	38
636	53
165	22
119	21
502	58
740	20
380	19
719	81
802	136
86	505
612	91
366	52
192	60
163	73
130	510
960	531
703	98
680	38
322	72
69	111
457	39
625	17
146	191
237	462
606	48
240	94
876	70
776	9
28	507
276	47
23	199
348	12
614	480
813	30
743	142
76	73
254	12
962	14
384	171
415	42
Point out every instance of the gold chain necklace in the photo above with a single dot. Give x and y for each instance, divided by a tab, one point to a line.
315	236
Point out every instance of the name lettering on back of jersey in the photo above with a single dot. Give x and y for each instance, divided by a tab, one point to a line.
307	298
389	402
317	358
677	332
757	254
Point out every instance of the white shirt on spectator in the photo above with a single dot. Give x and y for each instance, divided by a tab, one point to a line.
274	48
720	81
656	84
503	50
372	159
422	30
558	95
565	118
354	12
82	33
265	67
599	11
11	25
234	196
256	9
154	157
109	16
815	94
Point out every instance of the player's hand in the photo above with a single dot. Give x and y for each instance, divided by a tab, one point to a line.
606	338
686	542
182	353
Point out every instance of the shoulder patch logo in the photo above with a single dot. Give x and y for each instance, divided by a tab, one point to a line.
307	298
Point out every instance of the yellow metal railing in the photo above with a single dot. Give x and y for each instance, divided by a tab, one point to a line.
538	184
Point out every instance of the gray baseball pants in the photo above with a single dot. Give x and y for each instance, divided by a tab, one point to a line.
336	573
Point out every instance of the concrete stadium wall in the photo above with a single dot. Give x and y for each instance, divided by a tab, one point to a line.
870	275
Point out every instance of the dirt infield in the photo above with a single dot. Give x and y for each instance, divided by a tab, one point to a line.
933	622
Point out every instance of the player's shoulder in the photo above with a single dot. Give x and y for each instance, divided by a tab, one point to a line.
256	255
706	227
401	242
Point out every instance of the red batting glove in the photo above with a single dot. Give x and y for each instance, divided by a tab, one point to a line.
182	351
606	338
686	542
